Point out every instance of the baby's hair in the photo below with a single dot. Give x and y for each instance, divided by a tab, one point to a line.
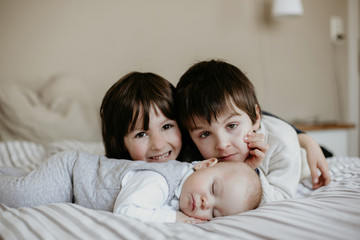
209	88
128	99
254	191
251	180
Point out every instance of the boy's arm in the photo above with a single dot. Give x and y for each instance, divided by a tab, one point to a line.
280	179
314	154
298	131
143	196
282	166
316	160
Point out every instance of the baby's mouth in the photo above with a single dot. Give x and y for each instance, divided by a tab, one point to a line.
161	157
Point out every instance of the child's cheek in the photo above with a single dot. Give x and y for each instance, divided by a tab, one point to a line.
245	146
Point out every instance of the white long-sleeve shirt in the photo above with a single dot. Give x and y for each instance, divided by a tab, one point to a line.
143	196
280	170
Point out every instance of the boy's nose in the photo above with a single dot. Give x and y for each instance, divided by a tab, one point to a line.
222	144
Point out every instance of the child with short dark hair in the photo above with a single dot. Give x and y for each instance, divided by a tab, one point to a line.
219	108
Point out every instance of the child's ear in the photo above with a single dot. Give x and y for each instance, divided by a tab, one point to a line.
256	125
205	163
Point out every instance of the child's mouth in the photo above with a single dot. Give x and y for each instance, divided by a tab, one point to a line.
161	157
227	157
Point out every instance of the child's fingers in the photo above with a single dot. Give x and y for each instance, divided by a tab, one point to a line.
262	146
258	154
314	176
323	179
256	158
325	174
254	137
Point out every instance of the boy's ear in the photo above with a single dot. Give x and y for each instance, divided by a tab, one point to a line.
256	125
205	163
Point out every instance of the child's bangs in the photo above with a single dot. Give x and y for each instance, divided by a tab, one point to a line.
215	108
142	110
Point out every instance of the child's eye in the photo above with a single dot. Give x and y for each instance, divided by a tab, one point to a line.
167	126
204	134
140	135
232	125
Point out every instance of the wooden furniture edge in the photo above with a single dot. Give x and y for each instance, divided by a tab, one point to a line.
324	126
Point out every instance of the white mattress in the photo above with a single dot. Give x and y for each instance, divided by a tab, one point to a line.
331	212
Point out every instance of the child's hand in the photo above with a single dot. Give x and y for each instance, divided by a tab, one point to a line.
258	147
181	217
316	160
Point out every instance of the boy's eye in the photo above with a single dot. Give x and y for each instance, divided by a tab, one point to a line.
204	134
140	135
167	126
232	125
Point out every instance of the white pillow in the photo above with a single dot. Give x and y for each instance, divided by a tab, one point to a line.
63	109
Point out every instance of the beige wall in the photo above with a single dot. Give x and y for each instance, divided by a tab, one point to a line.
291	61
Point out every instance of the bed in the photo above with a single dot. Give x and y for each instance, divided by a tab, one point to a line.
52	119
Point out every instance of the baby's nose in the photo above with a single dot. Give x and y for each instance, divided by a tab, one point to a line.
204	203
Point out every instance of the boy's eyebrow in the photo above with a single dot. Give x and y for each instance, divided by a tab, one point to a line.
226	119
195	128
232	115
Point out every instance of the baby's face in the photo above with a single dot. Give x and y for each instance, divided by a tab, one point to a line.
160	143
214	191
223	138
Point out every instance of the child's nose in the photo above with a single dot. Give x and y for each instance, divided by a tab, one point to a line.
157	141
222	143
204	203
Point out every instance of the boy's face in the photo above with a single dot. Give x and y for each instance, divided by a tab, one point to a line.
160	143
215	190
224	137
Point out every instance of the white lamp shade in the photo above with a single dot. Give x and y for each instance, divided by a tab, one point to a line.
287	8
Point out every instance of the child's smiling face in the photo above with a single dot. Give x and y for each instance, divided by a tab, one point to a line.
160	143
223	138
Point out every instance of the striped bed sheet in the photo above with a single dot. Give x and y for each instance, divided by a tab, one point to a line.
331	212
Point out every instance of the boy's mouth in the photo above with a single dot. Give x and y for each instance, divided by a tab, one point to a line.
161	157
227	157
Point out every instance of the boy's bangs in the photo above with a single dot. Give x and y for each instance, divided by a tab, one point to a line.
215	108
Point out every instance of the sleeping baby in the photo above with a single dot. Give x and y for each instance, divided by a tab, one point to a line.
159	192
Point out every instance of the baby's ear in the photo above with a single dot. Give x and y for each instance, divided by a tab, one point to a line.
205	163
